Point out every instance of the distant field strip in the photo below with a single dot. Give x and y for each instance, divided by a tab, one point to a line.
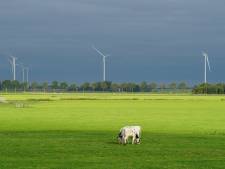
108	96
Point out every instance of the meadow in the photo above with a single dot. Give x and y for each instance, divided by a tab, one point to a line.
66	131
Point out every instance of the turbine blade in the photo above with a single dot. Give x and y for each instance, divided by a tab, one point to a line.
98	51
10	62
11	65
207	58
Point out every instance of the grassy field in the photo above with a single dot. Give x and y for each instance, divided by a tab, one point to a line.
65	131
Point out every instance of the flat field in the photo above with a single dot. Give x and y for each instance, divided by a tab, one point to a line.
66	131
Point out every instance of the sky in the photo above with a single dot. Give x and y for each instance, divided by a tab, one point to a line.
147	40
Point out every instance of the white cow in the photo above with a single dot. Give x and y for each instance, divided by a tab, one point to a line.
127	132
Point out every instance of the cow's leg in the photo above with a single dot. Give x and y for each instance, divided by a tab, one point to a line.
133	139
124	140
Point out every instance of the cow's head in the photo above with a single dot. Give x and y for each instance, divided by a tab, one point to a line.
137	139
119	137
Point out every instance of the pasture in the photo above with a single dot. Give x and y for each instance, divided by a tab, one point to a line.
66	131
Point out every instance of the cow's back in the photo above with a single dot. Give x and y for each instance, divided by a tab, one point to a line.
129	130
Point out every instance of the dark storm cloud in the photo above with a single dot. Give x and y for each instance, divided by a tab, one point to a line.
153	40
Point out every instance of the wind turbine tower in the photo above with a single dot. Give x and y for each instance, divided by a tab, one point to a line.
206	62
104	62
13	65
27	74
23	71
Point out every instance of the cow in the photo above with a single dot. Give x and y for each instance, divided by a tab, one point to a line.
127	132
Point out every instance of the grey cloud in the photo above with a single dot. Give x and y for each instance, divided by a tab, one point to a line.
147	39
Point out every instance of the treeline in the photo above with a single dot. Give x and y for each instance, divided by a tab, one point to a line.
107	86
206	88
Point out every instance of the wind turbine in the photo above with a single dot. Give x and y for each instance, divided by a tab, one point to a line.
27	74
13	66
104	61
206	62
23	71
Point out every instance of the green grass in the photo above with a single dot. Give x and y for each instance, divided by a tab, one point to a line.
64	131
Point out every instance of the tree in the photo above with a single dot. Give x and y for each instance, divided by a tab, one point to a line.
63	85
115	87
106	85
162	86
124	87
206	88
132	87
182	85
15	84
24	86
55	85
173	85
103	86
136	87
220	88
95	86
144	87
152	86
85	86
6	84
73	87
0	85
45	86
34	85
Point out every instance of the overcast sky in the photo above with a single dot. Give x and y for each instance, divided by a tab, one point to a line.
148	40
